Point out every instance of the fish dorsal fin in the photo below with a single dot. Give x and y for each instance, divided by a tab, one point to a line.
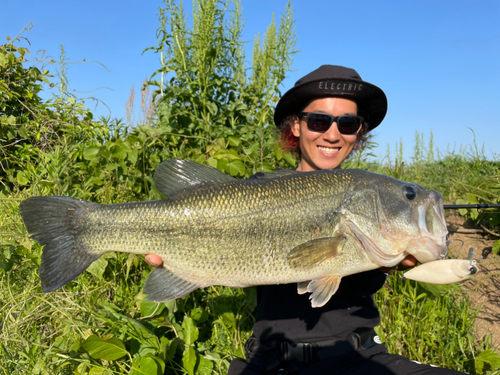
323	289
311	253
174	175
162	285
272	175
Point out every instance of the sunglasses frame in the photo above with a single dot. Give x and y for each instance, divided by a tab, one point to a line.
332	120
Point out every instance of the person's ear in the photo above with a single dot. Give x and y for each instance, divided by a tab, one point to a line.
296	127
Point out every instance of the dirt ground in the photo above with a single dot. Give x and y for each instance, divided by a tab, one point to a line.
484	288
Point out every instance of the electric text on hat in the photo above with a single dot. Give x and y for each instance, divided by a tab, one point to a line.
340	86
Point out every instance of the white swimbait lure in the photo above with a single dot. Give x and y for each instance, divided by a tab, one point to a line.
446	271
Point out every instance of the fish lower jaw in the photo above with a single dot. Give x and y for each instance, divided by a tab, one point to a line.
425	250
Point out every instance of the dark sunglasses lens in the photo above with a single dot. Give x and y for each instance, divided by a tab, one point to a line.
319	123
348	125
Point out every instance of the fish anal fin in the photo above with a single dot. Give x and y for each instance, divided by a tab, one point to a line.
175	175
323	289
162	285
314	252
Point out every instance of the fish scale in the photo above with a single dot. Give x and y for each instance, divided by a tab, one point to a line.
216	230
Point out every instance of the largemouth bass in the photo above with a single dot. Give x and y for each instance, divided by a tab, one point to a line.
310	228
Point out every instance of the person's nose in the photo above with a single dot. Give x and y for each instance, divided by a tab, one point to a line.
332	135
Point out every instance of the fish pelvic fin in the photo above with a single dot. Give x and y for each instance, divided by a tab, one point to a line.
53	222
162	285
175	175
302	287
311	253
323	289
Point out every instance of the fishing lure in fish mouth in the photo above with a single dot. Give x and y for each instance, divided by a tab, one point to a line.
444	271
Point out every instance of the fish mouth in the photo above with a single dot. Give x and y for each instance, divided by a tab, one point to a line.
432	224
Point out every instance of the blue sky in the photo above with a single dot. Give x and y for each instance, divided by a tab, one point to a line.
438	61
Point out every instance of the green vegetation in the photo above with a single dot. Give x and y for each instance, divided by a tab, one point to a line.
209	105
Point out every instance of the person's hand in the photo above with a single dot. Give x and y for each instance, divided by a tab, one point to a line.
408	262
153	260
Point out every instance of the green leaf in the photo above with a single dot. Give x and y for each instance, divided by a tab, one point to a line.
191	332
235	168
98	267
146	366
212	107
189	360
21	178
212	162
437	290
172	348
228	318
496	247
221	165
132	260
472	198
199	315
278	152
109	350
265	167
148	308
251	297
90	153
234	140
290	158
488	356
205	366
120	150
6	266
99	371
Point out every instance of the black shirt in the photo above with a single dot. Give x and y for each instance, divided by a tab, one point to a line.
285	315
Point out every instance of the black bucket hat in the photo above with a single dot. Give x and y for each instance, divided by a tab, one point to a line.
337	81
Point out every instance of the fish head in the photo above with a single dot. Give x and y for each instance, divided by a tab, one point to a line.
398	218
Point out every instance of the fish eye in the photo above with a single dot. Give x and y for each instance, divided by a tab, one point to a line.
410	192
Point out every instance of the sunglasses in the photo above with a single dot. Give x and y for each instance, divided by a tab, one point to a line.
320	122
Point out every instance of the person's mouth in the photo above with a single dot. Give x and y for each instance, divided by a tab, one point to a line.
329	150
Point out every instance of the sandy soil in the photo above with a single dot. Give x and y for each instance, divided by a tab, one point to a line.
484	288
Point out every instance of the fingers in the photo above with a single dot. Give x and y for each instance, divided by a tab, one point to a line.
408	262
153	260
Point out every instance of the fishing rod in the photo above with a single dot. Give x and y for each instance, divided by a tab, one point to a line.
478	206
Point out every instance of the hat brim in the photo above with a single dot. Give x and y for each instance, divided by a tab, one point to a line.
369	98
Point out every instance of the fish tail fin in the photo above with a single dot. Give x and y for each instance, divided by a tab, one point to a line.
55	223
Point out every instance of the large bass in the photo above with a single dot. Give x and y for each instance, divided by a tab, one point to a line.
311	228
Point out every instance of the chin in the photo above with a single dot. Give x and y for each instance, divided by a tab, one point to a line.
331	163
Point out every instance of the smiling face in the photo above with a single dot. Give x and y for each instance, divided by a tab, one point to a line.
324	150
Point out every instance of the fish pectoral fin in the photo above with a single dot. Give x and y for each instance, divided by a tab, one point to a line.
323	289
302	287
314	252
174	175
163	285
